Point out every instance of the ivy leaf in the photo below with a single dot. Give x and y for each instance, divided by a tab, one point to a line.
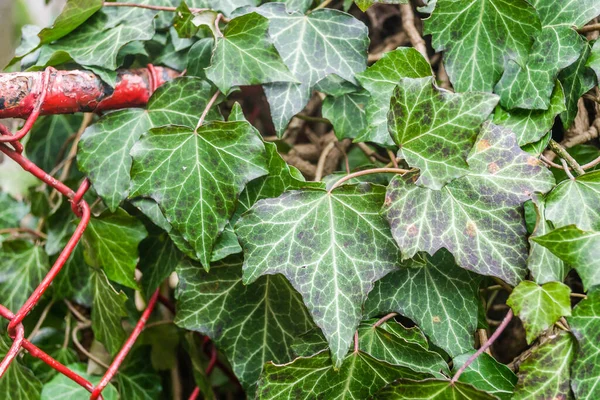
250	324
96	44
245	55
477	49
487	374
137	380
575	202
478	217
539	307
531	125
581	249
585	325
193	348
435	128
104	147
544	266
347	114
570	12
73	282
74	13
594	60
24	265
196	196
158	259
12	211
18	382
184	21
380	80
227	7
199	56
61	387
431	389
577	79
358	377
108	307
384	344
302	41
47	137
365	4
435	293
335	238
545	374
111	242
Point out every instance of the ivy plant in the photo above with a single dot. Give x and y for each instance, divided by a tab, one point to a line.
335	199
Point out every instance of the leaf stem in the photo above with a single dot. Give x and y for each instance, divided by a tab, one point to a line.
13	231
151	7
209	105
484	347
589	28
312	119
564	154
322	159
392	158
324	4
356	348
384	319
369	172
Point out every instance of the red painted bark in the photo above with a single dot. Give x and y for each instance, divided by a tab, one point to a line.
78	91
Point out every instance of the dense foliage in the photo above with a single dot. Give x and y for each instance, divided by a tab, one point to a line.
345	206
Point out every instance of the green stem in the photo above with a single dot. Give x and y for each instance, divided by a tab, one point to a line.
564	154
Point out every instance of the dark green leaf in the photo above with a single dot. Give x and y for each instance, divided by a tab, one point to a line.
199	57
18	382
48	137
108	307
365	4
158	259
487	374
137	380
431	389
347	114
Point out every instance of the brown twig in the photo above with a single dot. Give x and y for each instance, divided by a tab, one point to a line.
560	151
408	24
369	172
33	232
82	349
322	158
589	28
384	319
151	7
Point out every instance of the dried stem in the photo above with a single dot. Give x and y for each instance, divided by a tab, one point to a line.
483	338
40	321
13	231
567	169
76	313
393	158
484	346
82	349
67	331
151	7
369	172
312	119
408	24
564	154
322	159
324	4
589	28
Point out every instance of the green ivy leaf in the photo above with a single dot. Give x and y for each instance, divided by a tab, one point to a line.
531	125
576	202
61	387
24	265
585	325
385	344
12	211
250	324
487	374
245	55
184	21
18	382
73	282
105	146
545	374
435	293
477	217
430	389
539	307
581	249
198	57
380	80
594	60
476	48
158	259
137	380
577	79
193	347
544	266
337	239
435	128
358	377
73	14
365	4
111	242
347	114
196	195
108	307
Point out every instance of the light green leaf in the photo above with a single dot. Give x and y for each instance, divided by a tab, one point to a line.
74	13
479	36
365	4
245	55
105	146
111	243
576	202
435	293
48	136
383	344
23	266
347	114
581	249
577	79
359	377
12	211
544	266
380	80
585	325
531	125
337	239
202	174
487	374
61	387
545	373
108	307
539	307
431	389
18	382
478	217
435	128
250	324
